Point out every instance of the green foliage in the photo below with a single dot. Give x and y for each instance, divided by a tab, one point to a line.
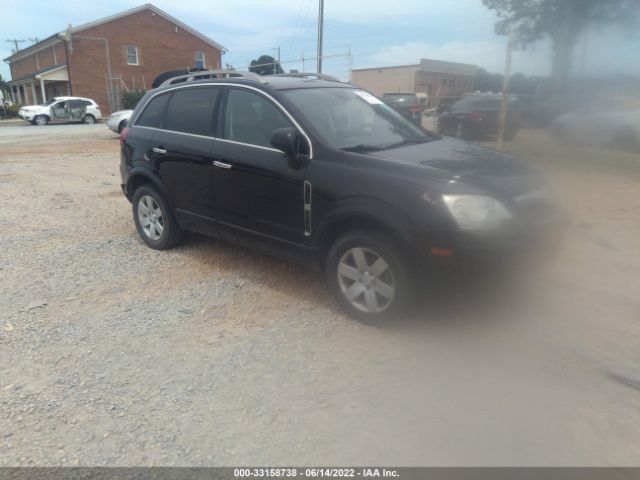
264	65
563	21
12	110
520	84
131	99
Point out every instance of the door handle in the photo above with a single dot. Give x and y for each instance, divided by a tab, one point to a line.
159	150
221	164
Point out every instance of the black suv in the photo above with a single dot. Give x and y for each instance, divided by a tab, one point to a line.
324	173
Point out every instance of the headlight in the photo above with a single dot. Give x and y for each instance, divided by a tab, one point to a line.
476	212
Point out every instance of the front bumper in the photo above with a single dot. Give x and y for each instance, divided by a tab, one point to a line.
479	252
28	116
113	123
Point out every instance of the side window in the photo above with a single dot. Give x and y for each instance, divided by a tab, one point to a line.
199	59
151	116
191	110
77	103
251	118
132	55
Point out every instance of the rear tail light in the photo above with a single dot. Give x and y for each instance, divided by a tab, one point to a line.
477	116
123	135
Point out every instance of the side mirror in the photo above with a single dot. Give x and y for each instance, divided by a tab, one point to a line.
292	144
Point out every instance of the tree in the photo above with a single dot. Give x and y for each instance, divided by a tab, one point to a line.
563	21
265	65
4	87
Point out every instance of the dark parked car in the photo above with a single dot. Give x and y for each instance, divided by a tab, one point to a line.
409	105
477	116
326	174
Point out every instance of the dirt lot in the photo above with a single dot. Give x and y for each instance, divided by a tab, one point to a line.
115	354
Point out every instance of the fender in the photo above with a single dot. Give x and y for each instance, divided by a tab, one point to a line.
366	208
137	172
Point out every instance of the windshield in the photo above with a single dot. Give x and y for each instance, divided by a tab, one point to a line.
352	119
49	102
480	103
399	97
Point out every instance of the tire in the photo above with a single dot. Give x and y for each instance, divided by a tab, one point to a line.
88	119
121	126
41	120
462	131
370	296
162	231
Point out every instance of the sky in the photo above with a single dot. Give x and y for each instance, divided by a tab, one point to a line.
377	32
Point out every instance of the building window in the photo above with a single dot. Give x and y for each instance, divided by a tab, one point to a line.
199	59
132	55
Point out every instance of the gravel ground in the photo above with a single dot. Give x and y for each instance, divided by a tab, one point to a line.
209	354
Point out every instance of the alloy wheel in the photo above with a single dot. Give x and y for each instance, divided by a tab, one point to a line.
150	217
366	280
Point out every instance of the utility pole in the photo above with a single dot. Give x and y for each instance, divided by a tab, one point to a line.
303	69
15	41
275	68
505	92
320	27
350	60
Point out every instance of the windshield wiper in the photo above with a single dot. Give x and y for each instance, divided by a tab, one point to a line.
362	147
407	142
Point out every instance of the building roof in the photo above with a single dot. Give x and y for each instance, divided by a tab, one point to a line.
157	11
427	65
147	6
37	73
42	44
414	65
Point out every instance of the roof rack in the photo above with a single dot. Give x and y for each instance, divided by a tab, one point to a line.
319	76
204	74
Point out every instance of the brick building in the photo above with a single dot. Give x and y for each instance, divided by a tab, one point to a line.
105	58
436	78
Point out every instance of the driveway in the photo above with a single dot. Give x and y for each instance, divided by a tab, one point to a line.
209	354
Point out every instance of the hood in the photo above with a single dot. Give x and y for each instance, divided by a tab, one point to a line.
32	107
464	164
122	112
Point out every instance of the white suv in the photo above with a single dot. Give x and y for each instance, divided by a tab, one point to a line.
62	110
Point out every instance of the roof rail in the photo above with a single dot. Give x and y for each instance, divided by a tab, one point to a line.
319	76
204	74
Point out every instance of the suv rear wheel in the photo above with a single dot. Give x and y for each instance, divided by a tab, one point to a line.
89	119
369	277
154	220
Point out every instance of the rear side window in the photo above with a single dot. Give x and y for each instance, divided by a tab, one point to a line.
251	118
191	110
151	116
79	103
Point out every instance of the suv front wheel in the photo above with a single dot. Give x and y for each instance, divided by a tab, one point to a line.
154	220
369	277
41	120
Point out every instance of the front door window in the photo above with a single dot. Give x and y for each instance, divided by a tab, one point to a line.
59	110
251	119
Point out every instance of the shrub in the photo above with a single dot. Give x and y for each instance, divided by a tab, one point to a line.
131	99
12	110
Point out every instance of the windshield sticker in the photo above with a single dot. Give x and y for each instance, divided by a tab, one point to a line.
367	97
